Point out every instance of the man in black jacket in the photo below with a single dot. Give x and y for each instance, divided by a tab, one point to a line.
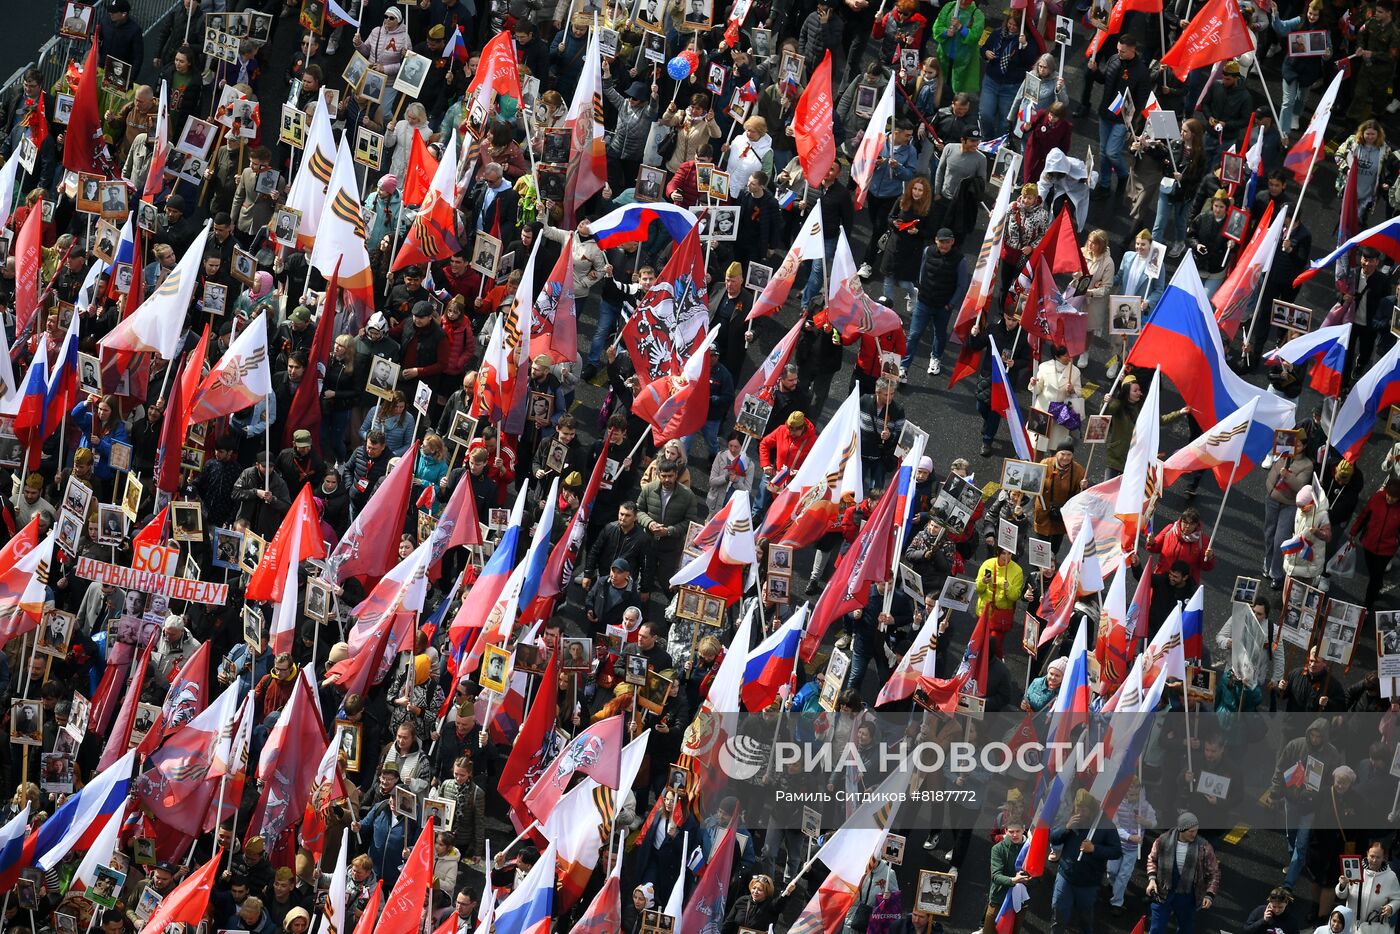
1127	74
758	221
120	36
609	598
1016	358
943	281
1087	844
625	539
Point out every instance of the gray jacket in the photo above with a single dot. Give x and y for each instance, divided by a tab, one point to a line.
629	139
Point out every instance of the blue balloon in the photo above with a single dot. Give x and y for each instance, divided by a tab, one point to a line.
678	68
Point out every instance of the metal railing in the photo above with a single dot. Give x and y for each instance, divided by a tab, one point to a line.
53	56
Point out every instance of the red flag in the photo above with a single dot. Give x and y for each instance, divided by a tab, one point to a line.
864	563
178	788
1059	246
287	768
498	71
825	912
705	901
302	524
563	558
119	740
153	533
366	551
813	127
448	925
190	899
433	234
28	259
658	343
1115	20
84	136
418	178
1216	33
673	406
554	324
527	756
596	752
371	913
404	910
37	119
183	700
305	409
604	913
458	524
177	415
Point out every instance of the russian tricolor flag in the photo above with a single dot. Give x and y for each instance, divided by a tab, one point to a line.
76	824
1193	620
1071	708
631	223
1183	339
1385	237
14	855
1373	393
1327	348
1015	896
771	664
1116	107
529	908
456	48
1004	404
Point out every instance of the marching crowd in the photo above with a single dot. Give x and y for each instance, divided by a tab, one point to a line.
419	462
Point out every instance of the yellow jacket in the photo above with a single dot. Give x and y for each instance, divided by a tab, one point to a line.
1000	585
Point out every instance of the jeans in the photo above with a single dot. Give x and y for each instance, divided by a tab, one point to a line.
710	432
1120	871
1170	225
995	103
1112	134
1298	840
1294	96
1179	905
607	318
1069	902
866	648
991	421
923	316
873	471
910	290
815	284
336	424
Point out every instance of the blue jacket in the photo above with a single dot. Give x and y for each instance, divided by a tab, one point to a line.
102	446
387	833
888	180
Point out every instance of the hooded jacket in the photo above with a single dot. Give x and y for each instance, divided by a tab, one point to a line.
1348	925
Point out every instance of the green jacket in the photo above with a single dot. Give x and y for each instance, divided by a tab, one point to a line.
958	52
1003	870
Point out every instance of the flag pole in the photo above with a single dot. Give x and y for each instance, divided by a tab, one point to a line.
1226	494
267	443
1327	448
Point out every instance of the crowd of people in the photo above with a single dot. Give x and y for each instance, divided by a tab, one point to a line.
402	432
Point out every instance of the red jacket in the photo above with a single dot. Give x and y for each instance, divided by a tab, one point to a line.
1172	547
868	357
1378	525
779	449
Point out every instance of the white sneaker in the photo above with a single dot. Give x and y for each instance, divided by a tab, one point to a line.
934	367
1393	106
903	375
953	871
909	304
843	642
865	271
333	46
948	856
928	844
1112	370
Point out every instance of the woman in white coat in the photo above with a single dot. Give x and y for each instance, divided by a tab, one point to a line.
1312	529
400	138
750	151
1057	381
1374	899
